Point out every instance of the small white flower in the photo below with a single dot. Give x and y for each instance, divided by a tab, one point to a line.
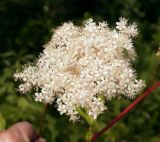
121	25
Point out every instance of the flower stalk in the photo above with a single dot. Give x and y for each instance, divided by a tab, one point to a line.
90	121
42	118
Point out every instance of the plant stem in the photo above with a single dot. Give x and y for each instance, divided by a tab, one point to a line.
125	111
89	134
90	122
42	119
85	116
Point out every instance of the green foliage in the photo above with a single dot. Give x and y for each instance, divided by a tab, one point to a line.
2	123
25	26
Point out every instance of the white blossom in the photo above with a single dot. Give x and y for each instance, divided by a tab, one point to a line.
79	65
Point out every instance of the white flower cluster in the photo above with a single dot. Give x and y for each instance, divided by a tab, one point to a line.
82	65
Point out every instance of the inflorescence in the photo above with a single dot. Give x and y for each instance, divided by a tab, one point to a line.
82	67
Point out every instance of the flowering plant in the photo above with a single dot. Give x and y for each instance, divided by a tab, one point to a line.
83	67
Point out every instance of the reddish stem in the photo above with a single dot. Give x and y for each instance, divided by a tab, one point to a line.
125	111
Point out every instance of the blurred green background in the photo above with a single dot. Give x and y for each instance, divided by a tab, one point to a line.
25	26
